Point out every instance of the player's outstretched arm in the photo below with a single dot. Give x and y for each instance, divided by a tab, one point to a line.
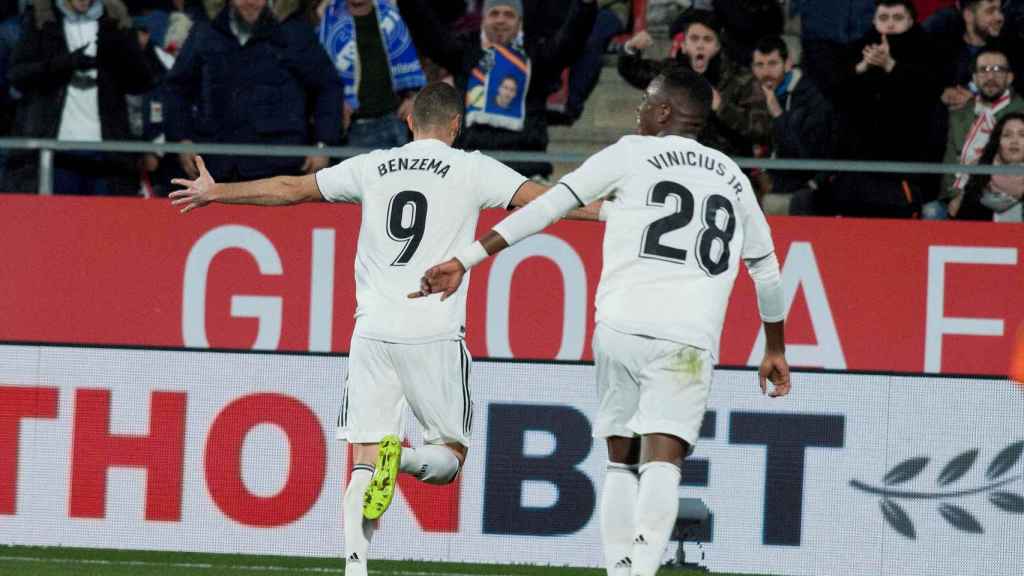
530	191
590	212
277	191
774	367
445	278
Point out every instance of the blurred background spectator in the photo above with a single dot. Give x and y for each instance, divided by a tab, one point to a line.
10	31
884	111
612	19
731	128
801	121
245	77
506	70
971	126
744	22
75	62
959	35
827	29
160	39
997	197
377	61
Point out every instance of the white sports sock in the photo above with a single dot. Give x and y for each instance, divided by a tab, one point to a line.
358	530
656	509
431	463
618	509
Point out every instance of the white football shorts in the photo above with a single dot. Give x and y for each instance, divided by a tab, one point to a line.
649	386
384	377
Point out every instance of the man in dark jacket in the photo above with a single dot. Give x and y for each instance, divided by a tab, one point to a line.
884	113
76	61
801	117
521	125
246	78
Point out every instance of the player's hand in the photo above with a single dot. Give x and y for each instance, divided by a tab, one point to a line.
196	193
444	278
774	369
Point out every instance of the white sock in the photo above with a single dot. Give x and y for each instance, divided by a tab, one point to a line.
618	509
431	463
656	509
358	530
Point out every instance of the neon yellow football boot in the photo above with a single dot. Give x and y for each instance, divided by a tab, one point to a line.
382	486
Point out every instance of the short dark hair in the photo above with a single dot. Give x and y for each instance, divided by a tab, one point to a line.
680	82
436	105
969	5
987	50
770	44
692	16
905	3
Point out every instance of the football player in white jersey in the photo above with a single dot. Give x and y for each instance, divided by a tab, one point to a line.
680	216
419	203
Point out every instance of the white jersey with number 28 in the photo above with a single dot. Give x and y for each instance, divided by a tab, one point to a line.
680	216
420	203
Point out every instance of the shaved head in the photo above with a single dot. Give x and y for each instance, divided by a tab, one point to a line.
677	102
436	106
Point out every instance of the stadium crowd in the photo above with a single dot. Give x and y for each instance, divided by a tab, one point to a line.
877	80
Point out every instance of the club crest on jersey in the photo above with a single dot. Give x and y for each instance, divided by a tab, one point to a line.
423	164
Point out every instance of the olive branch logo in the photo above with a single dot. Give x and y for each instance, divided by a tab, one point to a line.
957	516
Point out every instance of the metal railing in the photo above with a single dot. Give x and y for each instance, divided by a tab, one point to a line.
46	149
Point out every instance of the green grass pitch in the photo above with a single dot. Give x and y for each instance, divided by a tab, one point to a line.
35	561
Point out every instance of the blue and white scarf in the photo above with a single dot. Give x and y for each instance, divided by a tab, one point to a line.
496	89
338	37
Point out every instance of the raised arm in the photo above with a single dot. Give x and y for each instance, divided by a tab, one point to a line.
277	191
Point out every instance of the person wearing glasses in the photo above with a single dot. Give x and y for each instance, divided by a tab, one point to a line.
970	126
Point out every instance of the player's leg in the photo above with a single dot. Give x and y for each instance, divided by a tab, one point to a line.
358	529
435	379
618	504
371	410
657	500
673	399
618	393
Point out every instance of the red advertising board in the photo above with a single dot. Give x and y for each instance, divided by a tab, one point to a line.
865	295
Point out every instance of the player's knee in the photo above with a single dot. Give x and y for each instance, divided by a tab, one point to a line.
365	453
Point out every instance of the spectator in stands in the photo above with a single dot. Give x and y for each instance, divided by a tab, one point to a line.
377	61
160	43
732	86
970	127
586	72
959	36
76	61
801	120
884	112
10	32
997	197
744	22
247	78
479	62
827	29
